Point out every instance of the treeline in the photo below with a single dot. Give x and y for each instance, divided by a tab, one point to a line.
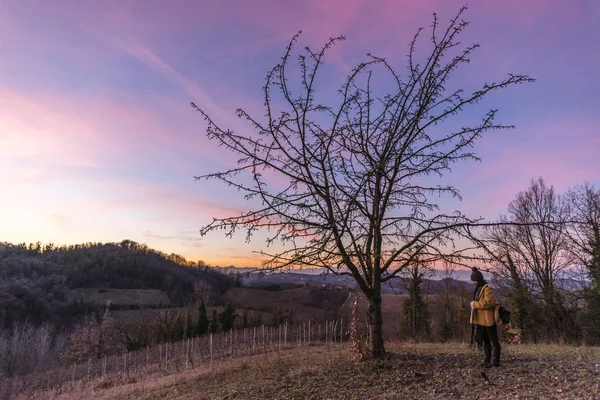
36	281
544	261
548	263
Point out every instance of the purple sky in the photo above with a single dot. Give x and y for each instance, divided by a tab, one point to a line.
98	141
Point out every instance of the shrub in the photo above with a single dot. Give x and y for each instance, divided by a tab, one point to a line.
26	348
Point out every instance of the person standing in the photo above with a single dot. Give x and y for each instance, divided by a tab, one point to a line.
483	317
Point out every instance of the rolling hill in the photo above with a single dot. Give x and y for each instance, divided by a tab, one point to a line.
56	284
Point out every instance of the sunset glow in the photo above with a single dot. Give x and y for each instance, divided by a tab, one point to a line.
98	141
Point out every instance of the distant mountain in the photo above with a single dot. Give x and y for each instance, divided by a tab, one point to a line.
435	274
233	269
286	280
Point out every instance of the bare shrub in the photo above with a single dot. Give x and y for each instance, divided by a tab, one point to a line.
27	348
93	339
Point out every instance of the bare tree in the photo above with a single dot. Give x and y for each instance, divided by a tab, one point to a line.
532	250
584	204
357	199
584	236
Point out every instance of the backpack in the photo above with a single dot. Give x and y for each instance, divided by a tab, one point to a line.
504	315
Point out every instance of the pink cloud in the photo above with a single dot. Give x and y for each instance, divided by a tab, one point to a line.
81	131
34	127
64	129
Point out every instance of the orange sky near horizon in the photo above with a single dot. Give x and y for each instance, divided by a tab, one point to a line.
98	142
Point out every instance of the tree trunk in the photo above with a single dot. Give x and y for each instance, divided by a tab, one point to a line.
375	321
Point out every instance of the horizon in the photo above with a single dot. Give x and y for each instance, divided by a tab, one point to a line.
459	273
98	141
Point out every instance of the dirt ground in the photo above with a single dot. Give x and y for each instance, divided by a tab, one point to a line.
410	371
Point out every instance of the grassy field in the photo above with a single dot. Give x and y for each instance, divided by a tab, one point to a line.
391	307
122	297
302	304
410	371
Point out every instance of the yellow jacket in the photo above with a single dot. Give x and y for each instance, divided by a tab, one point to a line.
484	310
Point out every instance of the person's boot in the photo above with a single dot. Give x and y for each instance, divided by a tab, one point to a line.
487	355
485	363
496	361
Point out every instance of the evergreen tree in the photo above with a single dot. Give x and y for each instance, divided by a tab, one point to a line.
276	321
414	309
214	323
257	320
165	328
189	326
226	317
591	315
139	340
245	319
522	303
202	321
177	328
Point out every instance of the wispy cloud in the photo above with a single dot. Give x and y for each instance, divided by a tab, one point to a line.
146	56
191	239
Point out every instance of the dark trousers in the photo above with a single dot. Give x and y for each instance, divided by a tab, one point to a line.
491	344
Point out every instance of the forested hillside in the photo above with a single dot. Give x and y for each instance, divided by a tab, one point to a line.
43	283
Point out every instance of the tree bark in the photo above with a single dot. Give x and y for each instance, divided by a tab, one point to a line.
376	323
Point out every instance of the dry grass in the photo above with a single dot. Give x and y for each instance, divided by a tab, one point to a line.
131	318
410	371
302	304
391	307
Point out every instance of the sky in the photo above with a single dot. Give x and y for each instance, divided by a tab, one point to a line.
98	142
